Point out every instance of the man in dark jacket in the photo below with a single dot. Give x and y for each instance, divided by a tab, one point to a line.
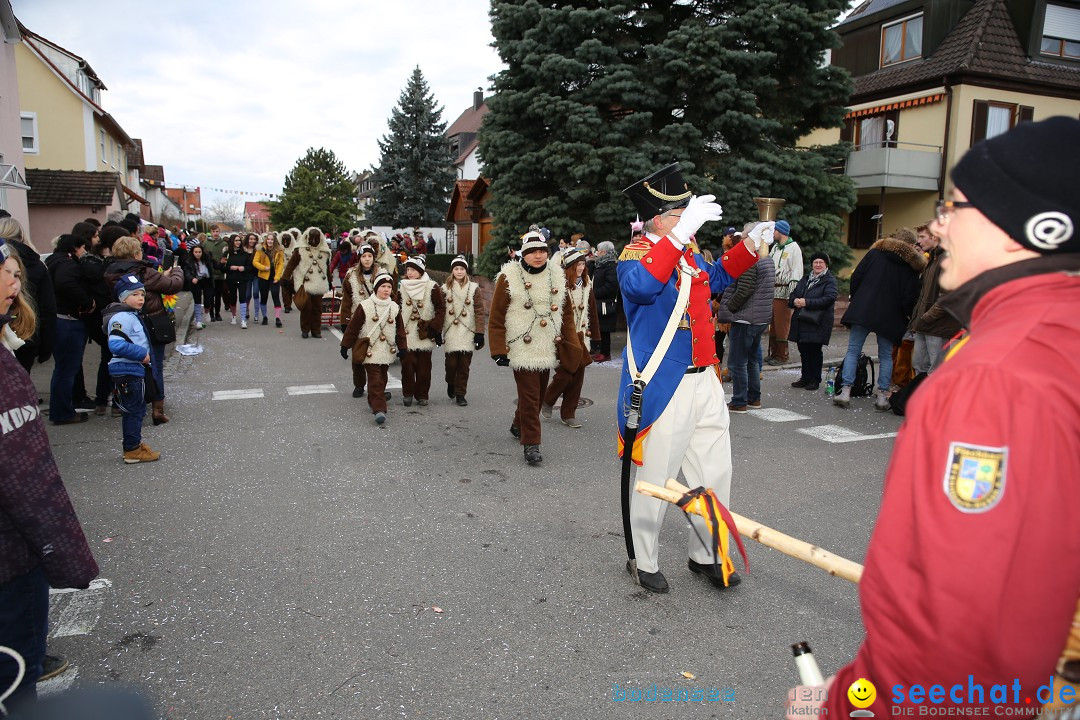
606	290
747	305
932	326
73	303
41	542
884	288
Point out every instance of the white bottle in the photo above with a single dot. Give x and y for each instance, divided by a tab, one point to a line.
809	672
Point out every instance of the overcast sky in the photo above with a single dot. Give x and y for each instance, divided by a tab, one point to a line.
230	94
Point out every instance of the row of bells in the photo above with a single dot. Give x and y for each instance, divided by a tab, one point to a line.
528	338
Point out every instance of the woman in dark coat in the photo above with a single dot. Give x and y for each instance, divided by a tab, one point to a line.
606	292
884	289
814	295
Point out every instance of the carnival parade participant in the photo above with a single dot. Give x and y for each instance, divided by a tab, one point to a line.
463	329
375	334
357	286
570	373
529	318
672	377
306	272
424	310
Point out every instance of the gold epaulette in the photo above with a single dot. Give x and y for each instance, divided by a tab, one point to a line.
635	251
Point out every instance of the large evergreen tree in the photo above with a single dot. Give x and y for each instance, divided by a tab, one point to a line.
415	173
598	94
317	192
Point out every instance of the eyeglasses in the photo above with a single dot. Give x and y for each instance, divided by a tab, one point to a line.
945	209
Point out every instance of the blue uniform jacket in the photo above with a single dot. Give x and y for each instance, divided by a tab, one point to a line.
649	282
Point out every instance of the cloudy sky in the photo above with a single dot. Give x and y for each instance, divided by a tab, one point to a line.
230	94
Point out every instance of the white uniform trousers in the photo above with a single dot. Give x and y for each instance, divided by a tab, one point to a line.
691	435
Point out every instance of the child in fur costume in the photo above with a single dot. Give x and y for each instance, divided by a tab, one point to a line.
358	286
424	308
570	375
383	255
463	330
373	343
529	319
307	269
289	240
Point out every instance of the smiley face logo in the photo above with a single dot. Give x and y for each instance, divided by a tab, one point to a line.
862	693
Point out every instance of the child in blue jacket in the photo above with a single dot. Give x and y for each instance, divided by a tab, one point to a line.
130	348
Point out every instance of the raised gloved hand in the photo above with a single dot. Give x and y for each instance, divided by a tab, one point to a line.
702	209
478	341
763	233
502	361
344	353
436	337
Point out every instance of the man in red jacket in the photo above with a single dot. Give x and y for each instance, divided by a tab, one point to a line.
973	569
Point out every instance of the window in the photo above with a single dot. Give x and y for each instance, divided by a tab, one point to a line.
28	121
993	118
872	131
101	134
1061	32
901	41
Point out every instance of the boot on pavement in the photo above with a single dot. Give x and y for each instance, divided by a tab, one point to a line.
159	417
141	454
881	401
843	398
532	454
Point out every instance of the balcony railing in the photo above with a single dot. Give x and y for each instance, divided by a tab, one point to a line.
895	165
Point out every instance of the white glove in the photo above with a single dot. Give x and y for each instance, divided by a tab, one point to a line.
763	233
701	210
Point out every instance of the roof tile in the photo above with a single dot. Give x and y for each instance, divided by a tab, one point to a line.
71	187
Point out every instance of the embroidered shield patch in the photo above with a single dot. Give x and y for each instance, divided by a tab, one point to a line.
975	477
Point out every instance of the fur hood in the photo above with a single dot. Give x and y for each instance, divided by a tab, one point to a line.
303	241
908	254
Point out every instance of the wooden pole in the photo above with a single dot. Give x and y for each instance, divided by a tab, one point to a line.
799	549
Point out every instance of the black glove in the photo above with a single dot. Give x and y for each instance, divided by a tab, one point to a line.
436	337
478	341
341	328
502	361
401	354
344	353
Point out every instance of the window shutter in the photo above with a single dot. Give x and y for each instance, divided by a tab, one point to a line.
978	121
1026	114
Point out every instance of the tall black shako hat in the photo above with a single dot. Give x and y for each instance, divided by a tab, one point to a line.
662	191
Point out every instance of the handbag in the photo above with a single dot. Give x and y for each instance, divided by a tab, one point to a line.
162	329
300	297
811	316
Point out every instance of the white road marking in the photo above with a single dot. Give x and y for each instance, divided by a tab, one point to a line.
76	613
393	382
837	434
238	394
336	333
778	415
60	683
98	584
311	389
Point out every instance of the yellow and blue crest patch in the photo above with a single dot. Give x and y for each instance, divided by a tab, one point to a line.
975	477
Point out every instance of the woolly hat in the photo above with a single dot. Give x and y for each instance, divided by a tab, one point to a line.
125	285
532	241
382	278
822	256
460	260
572	256
417	263
364	248
782	227
1021	182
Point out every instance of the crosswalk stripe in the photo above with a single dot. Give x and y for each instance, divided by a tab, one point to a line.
837	434
60	683
79	613
238	394
336	333
778	415
311	389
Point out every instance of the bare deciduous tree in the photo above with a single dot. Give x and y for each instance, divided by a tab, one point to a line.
226	210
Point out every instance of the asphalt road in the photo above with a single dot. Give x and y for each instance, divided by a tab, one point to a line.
287	558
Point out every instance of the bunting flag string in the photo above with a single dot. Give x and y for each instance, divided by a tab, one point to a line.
271	196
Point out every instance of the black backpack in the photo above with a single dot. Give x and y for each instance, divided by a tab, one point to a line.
864	377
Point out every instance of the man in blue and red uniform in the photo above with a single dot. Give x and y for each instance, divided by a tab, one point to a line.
684	419
973	570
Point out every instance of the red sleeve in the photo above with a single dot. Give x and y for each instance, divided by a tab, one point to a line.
974	564
737	260
661	260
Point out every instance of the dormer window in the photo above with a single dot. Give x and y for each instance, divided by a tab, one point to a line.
1061	32
901	40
